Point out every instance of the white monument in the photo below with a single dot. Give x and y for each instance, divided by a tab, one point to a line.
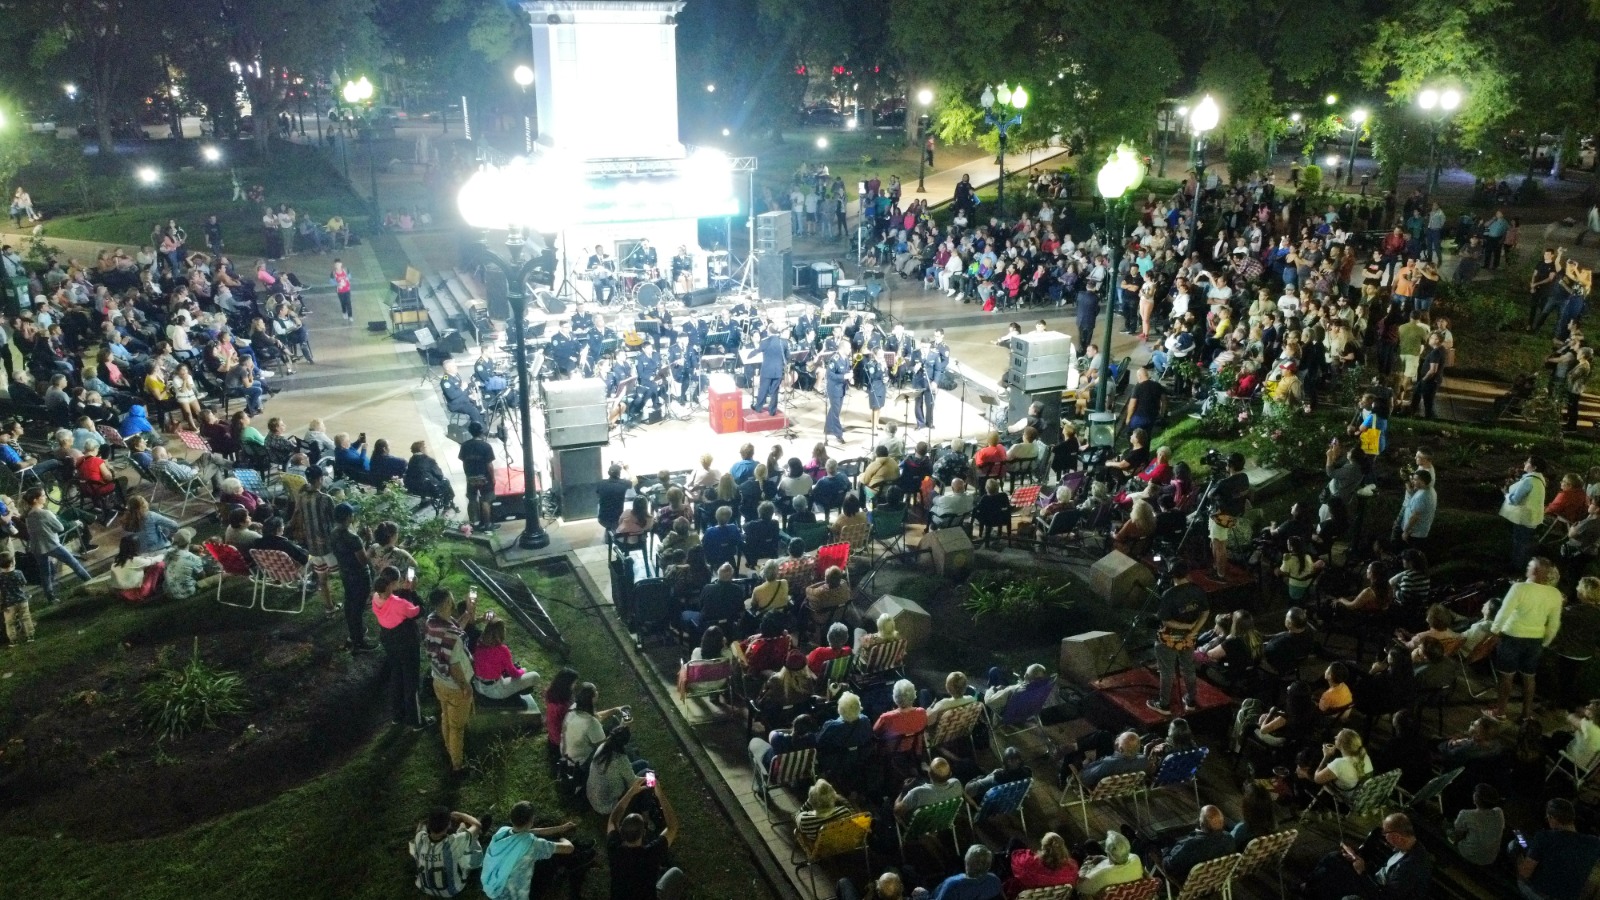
606	82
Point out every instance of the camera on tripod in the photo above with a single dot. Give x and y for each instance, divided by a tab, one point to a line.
1215	459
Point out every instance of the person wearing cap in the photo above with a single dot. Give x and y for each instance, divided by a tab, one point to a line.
1287	393
1013	767
1110	864
311	525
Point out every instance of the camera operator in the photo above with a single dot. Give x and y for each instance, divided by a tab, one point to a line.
1230	498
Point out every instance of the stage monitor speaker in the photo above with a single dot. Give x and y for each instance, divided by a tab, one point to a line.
771	267
1121	579
911	621
773	234
1088	656
545	300
701	297
507	501
952	551
577	477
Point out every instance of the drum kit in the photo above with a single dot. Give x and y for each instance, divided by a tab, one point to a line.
643	289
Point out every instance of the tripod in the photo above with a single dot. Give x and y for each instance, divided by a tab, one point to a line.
1198	515
565	290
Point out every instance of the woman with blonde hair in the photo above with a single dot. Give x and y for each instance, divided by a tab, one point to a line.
1049	867
1344	763
823	805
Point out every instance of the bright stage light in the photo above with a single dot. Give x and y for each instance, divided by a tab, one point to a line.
822	143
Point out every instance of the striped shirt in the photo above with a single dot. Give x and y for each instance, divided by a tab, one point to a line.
1411	588
313	520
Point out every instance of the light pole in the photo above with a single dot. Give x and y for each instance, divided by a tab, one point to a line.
1357	119
524	77
506	198
924	97
359	92
1003	108
1445	102
1181	112
1203	119
1122	174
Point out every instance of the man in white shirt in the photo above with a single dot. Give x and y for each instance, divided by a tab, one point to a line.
1529	618
954	503
1118	866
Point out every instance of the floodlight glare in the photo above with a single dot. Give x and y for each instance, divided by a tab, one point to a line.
148	174
522	75
925	96
822	143
211	154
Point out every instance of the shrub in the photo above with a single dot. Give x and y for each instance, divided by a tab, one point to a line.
1244	161
190	697
393	504
1009	597
1291	440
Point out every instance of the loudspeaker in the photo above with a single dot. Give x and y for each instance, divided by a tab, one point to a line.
911	621
1085	657
771	267
952	551
772	232
548	302
507	501
701	297
577	476
1119	578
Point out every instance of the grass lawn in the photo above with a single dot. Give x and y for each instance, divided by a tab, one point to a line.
103	200
343	834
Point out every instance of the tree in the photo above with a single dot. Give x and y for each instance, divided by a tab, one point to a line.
100	41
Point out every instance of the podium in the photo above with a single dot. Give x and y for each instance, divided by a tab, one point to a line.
726	404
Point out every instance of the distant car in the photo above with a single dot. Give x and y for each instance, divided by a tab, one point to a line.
822	117
42	126
894	118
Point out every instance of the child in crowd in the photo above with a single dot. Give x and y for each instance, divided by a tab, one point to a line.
14	598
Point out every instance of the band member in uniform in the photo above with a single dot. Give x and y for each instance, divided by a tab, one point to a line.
876	378
683	270
602	274
644	257
599	334
621	372
897	342
456	398
924	382
838	382
685	357
774	360
563	350
652	379
490	382
582	319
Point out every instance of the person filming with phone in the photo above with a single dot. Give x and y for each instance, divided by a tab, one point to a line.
1555	863
637	848
1391	864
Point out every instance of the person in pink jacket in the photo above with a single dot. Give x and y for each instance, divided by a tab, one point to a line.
402	643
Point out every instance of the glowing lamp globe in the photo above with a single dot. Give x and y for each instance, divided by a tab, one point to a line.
1019	98
1358	116
925	96
1003	94
986	100
1428	99
522	75
1205	115
1449	99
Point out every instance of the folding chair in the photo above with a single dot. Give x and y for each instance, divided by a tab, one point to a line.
1143	889
931	819
275	569
837	670
652	607
233	565
1267	850
855	537
626	544
705	678
194	441
1059	892
1369	797
836	838
1178	769
193	489
879	658
830	555
1021	715
955	724
1570	768
887	539
1003	800
112	439
1210	877
292	483
1432	791
812	536
251	481
796	769
1113	787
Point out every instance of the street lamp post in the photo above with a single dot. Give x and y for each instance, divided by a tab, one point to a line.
1445	102
1357	118
501	198
1203	119
924	97
1003	108
524	77
360	91
1122	174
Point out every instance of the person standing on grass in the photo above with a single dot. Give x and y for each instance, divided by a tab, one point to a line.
14	598
354	575
446	645
44	542
402	643
341	286
311	525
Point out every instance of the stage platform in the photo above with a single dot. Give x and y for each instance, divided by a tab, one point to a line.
1126	693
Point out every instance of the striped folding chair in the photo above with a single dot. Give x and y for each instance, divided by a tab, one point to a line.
796	769
1113	787
705	678
879	658
1178	769
1003	800
291	482
1059	892
112	439
837	670
855	537
1370	798
194	441
955	724
275	569
187	491
1262	852
1143	889
836	554
931	819
1208	878
836	838
251	480
233	565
